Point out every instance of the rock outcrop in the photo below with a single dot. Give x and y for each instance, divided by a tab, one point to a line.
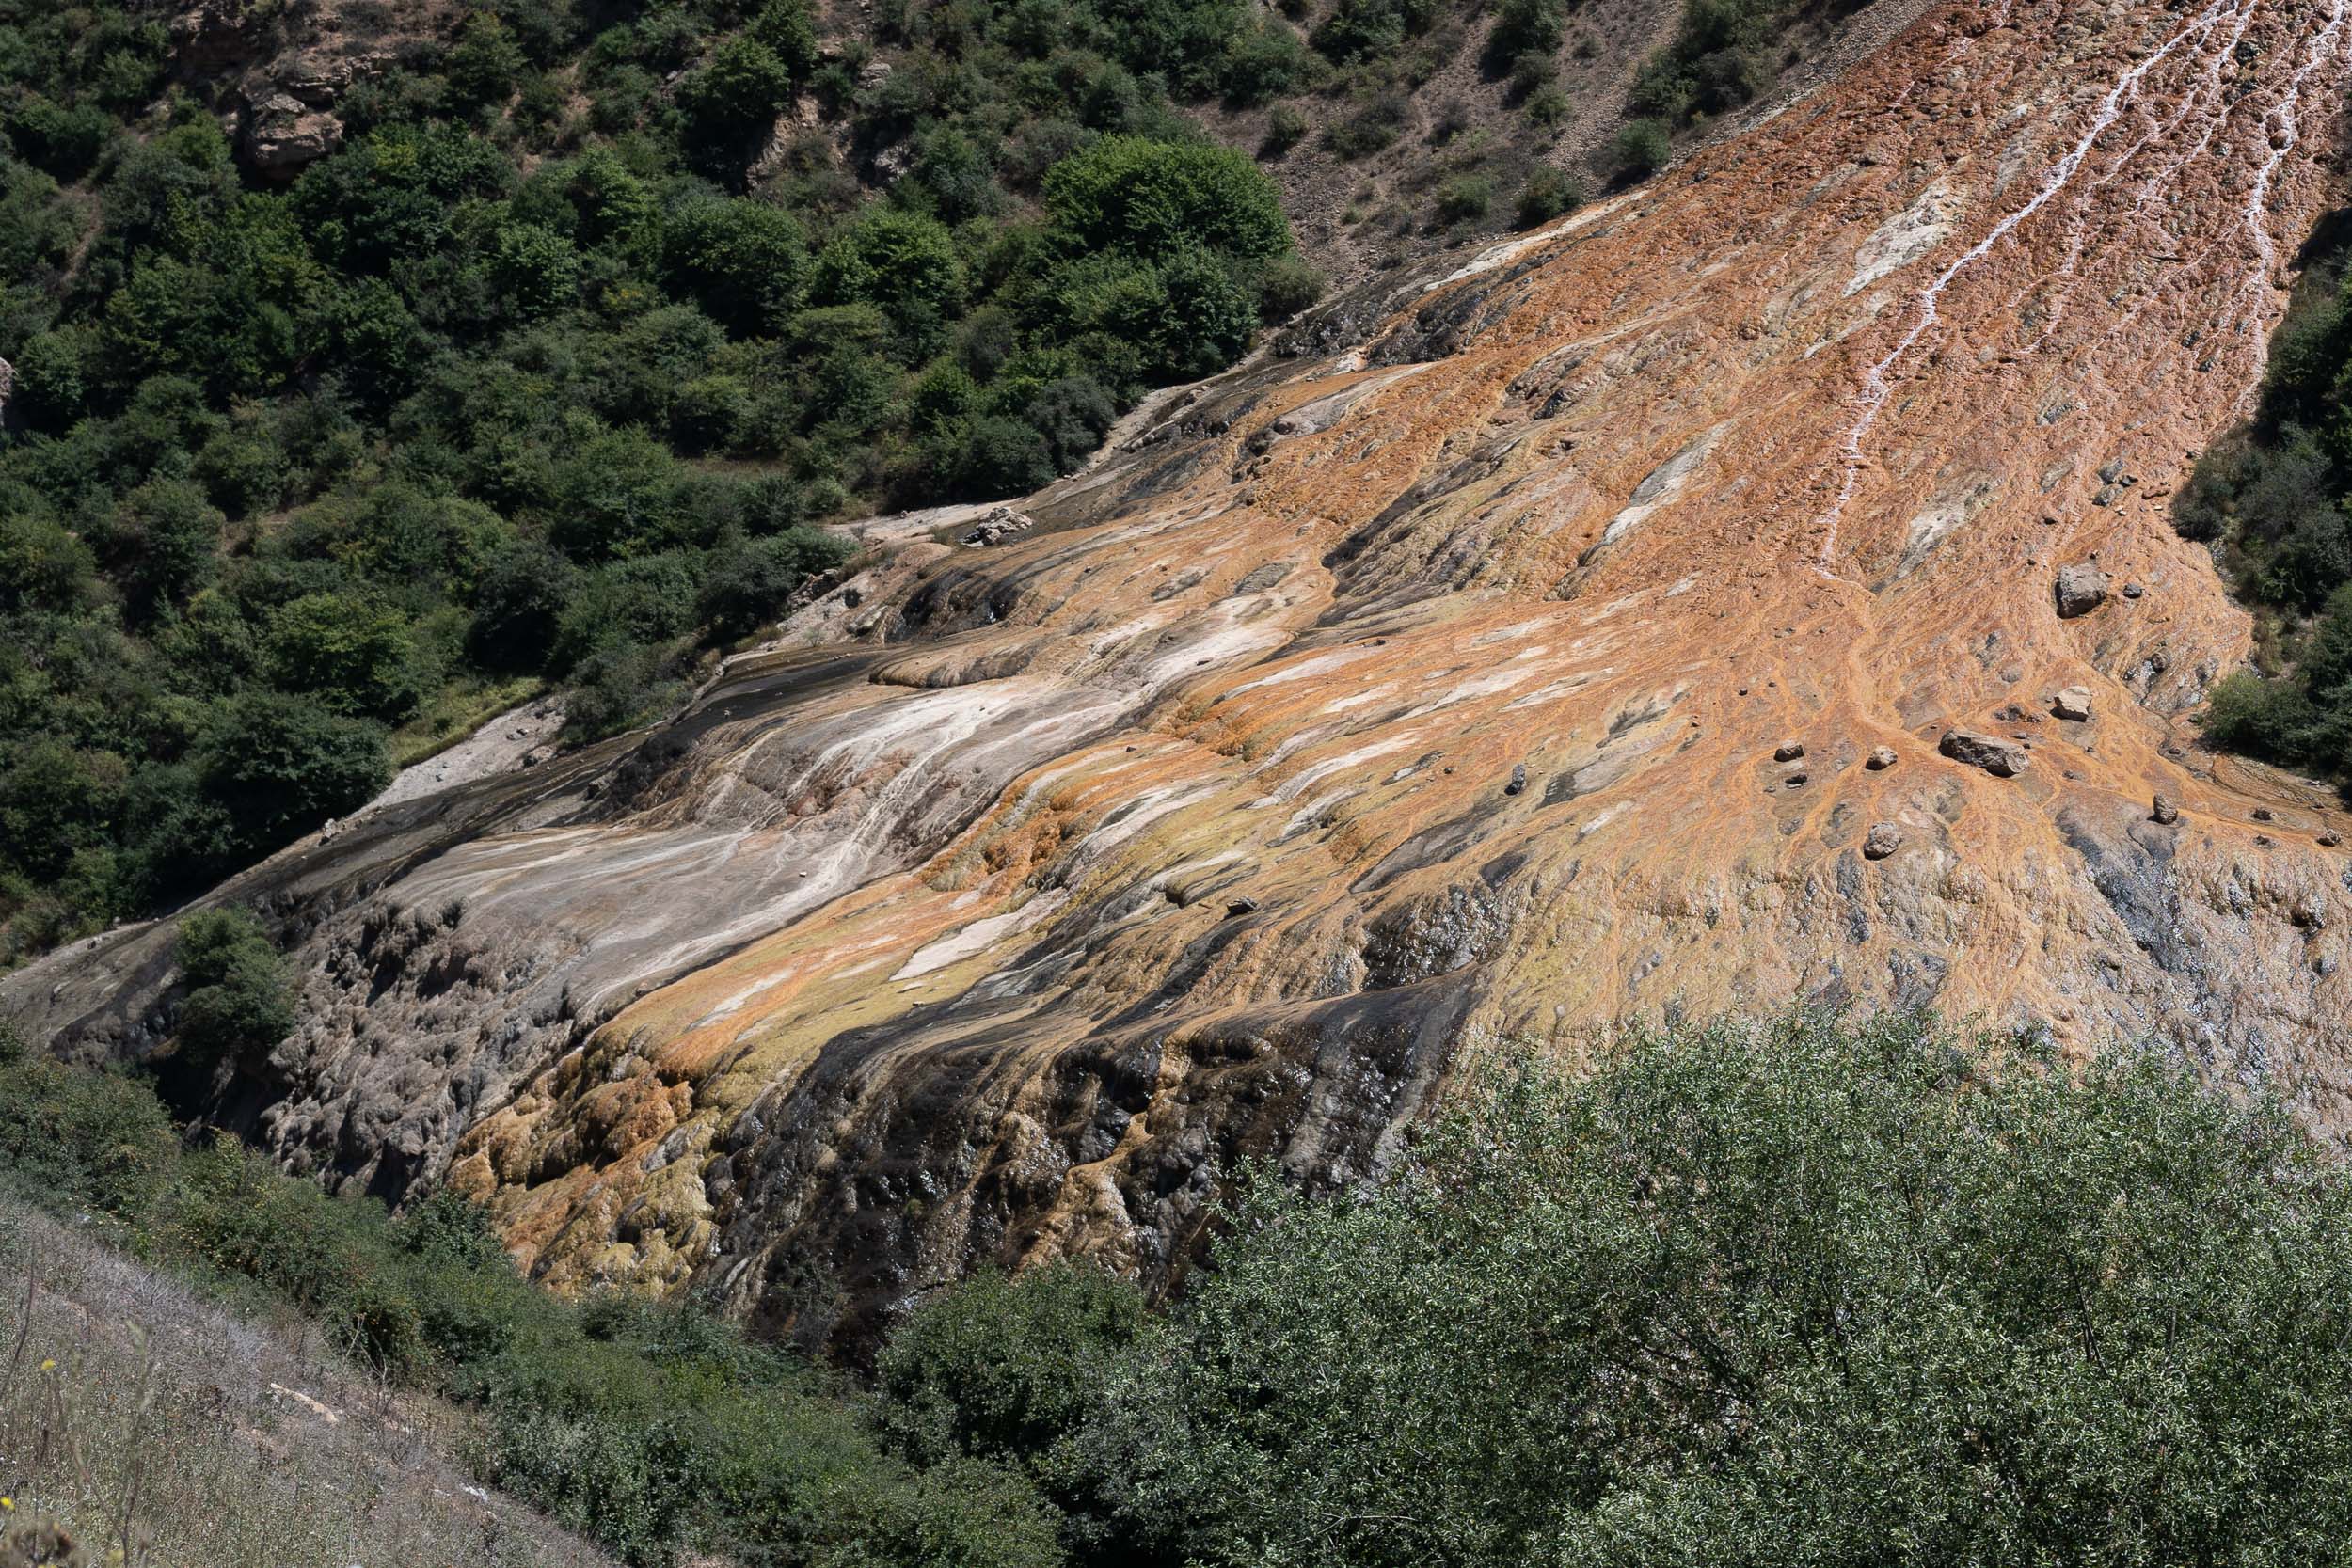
1017	893
277	73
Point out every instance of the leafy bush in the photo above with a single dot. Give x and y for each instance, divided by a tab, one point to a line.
1523	27
1465	197
1755	1285
1155	199
1375	125
280	764
237	1005
2271	499
1642	147
1717	61
70	1137
1358	29
1547	194
1007	1369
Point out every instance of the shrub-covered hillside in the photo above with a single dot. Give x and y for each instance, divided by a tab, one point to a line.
2274	501
543	374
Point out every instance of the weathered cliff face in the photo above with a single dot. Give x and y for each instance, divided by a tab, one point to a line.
1422	686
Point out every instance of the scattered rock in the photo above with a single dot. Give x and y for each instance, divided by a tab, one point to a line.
1788	753
2330	840
2262	814
1794	779
1239	906
1883	839
2073	703
1518	780
2133	591
2162	810
1882	758
2080	590
1001	523
2003	759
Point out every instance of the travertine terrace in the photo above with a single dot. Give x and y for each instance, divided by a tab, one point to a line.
1420	684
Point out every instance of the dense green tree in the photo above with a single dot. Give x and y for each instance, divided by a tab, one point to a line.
534	269
237	1005
1155	199
279	765
486	61
744	260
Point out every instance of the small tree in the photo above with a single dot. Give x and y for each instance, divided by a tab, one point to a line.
1643	146
238	1006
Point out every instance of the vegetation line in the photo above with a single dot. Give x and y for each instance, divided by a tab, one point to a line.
1863	1286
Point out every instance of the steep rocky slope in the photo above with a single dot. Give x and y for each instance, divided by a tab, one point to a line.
1437	678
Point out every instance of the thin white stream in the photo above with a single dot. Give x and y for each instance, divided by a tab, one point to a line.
1876	389
2287	116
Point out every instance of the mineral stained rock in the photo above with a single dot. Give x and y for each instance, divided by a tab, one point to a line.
2003	759
2080	590
914	943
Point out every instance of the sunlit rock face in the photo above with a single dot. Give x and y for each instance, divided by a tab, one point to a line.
1568	636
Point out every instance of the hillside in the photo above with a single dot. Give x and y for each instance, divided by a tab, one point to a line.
155	1425
368	371
1760	584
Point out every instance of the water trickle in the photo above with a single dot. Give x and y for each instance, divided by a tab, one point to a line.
1876	388
2284	126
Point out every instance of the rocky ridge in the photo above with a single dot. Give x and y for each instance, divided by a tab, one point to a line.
1426	682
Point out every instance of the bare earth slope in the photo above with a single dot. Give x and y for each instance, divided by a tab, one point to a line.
1420	686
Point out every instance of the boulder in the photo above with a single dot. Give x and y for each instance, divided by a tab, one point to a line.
1883	839
1001	523
284	135
2073	703
1789	752
1880	759
2080	590
2162	810
1518	780
2003	759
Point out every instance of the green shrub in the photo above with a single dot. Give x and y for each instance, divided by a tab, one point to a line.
749	583
1155	199
486	62
1369	29
70	1137
534	269
279	764
1465	198
1285	128
1372	127
1642	147
1547	194
238	1005
1525	27
740	89
1007	1369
